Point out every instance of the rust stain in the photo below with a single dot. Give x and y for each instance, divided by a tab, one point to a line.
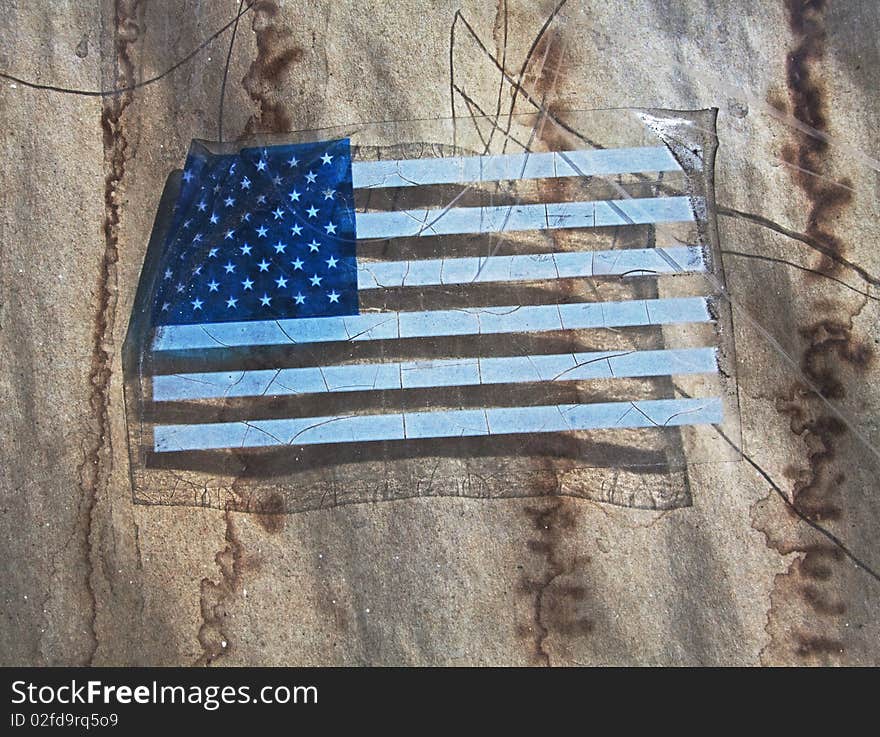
805	604
217	597
804	620
807	22
276	52
271	515
94	471
829	340
816	646
555	601
554	588
814	488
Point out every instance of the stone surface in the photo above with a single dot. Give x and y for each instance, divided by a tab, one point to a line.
737	578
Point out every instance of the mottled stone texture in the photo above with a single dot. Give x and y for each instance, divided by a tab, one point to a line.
738	578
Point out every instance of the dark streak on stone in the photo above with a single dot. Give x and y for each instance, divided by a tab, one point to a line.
555	604
806	20
813	645
826	340
276	52
97	461
814	579
816	599
271	515
216	597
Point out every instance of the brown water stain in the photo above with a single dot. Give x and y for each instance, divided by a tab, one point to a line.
217	597
271	515
556	598
804	620
808	102
264	81
94	471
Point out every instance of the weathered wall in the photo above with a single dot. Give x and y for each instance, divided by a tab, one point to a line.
735	579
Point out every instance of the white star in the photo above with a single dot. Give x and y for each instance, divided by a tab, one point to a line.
245	183
217	187
330	228
296	229
281	282
214	218
212	253
314	246
334	297
311	176
229	202
278	213
165	306
331	262
264	265
197	237
187	176
168	273
261	199
197	304
276	180
246	217
326	158
247	283
179	288
187	222
265	300
212	286
294	196
230	267
299	298
297	264
202	206
328	194
261	165
231	302
292	161
246	250
280	247
229	234
197	270
313	212
315	280
261	231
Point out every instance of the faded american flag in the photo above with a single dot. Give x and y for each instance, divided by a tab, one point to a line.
316	305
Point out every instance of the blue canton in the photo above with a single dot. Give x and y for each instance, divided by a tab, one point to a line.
264	234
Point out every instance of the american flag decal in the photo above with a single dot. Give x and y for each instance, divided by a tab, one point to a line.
326	321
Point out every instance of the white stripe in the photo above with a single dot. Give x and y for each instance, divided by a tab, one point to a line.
509	218
424	374
531	267
415	172
438	424
472	321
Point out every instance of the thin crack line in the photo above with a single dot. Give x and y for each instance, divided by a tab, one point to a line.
131	88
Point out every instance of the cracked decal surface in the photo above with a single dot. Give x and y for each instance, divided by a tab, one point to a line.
511	318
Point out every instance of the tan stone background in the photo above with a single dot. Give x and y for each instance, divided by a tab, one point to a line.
738	578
